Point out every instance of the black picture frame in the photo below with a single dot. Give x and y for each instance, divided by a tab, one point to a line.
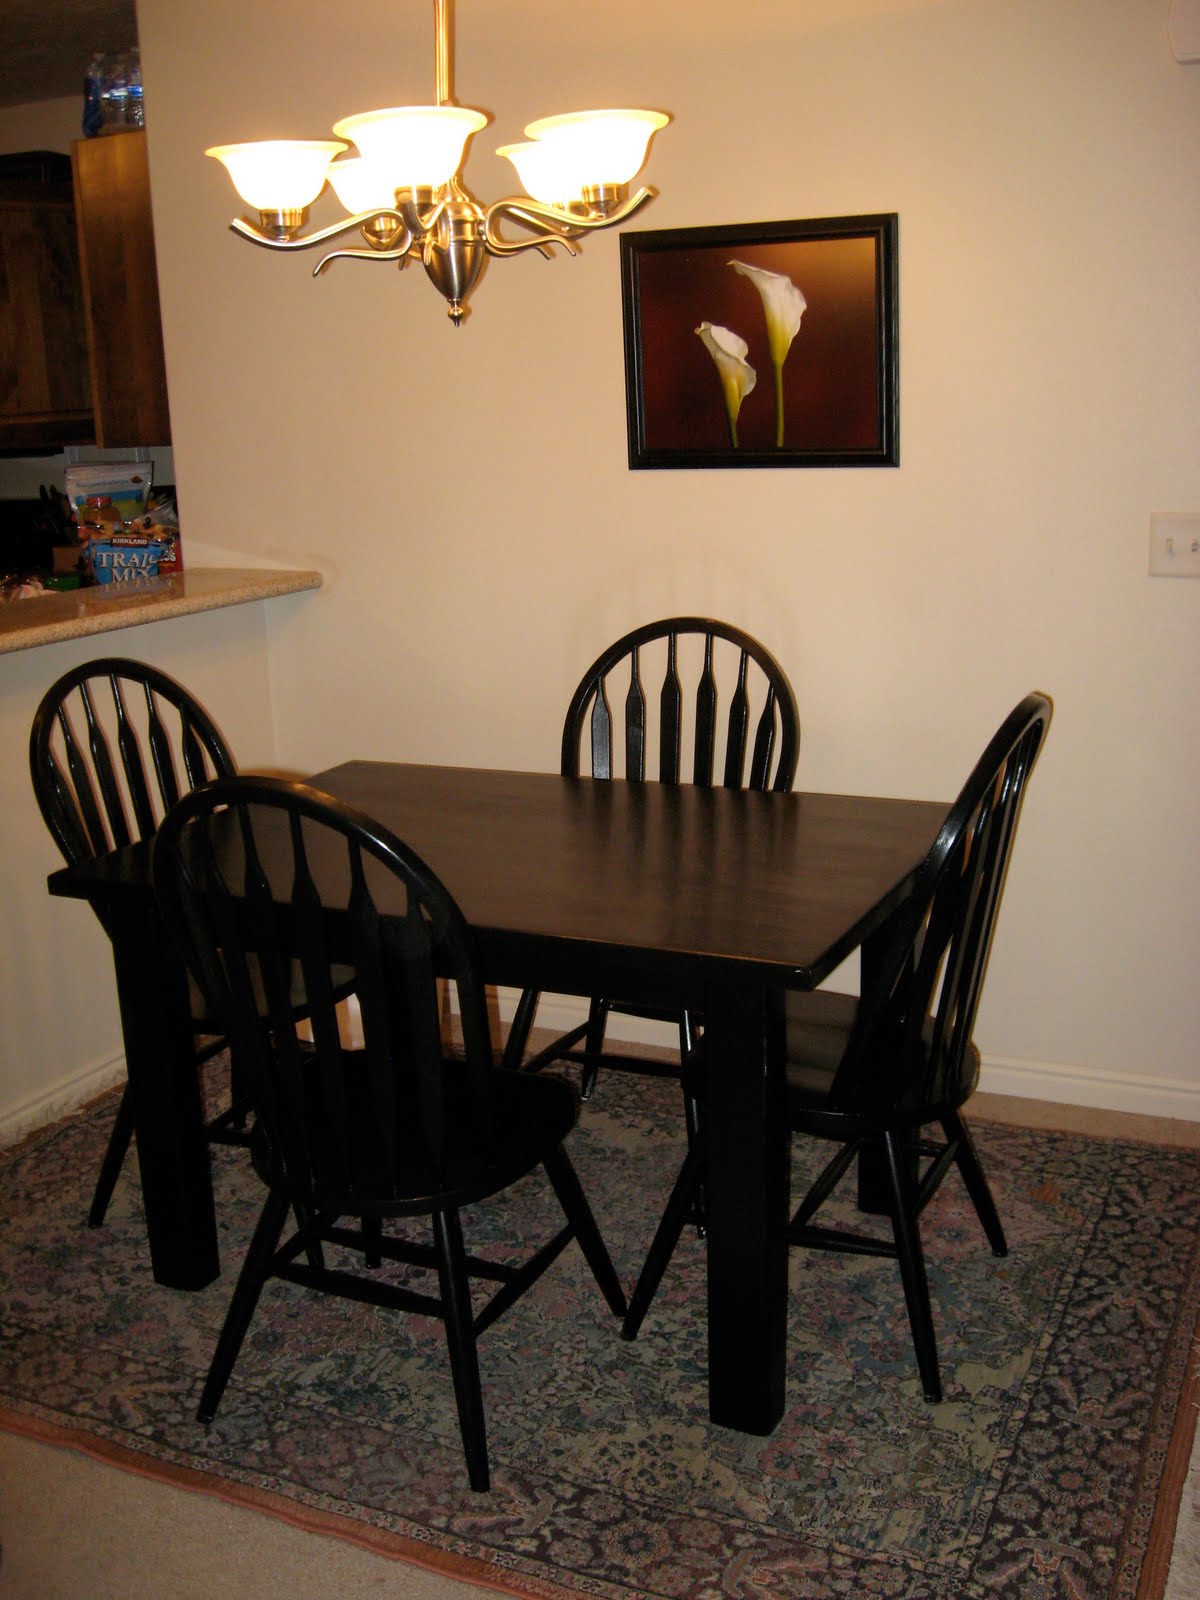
832	400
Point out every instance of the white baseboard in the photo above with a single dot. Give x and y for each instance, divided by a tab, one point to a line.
60	1099
1092	1086
1030	1080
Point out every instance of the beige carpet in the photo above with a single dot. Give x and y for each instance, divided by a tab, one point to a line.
1183	1582
76	1529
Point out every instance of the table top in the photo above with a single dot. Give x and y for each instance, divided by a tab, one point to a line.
564	875
790	884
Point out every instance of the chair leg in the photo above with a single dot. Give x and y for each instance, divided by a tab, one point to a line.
579	1214
912	1266
593	1044
372	1228
254	1273
460	1341
825	1183
114	1159
518	1034
314	1251
976	1183
665	1239
239	1094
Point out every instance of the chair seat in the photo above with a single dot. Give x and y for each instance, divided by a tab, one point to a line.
819	1025
204	1022
533	1114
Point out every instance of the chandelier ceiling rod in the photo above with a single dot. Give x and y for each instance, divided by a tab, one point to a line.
406	198
444	86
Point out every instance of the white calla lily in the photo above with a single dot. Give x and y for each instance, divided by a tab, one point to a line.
738	377
783	304
783	307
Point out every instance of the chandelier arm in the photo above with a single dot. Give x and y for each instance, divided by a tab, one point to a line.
497	245
420	225
543	219
550	229
397	254
555	225
247	230
625	210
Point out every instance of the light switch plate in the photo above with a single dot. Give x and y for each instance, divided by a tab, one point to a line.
1174	544
1183	24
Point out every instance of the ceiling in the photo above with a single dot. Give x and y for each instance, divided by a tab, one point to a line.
45	44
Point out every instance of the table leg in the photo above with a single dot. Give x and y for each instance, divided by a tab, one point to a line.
747	1189
168	1115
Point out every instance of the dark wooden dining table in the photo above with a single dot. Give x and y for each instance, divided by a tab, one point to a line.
717	899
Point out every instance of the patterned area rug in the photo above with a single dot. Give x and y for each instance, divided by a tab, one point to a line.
1038	1477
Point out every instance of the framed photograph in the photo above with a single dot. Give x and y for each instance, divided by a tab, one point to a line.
766	345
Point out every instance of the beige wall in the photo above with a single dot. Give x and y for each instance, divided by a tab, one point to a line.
44	125
61	1037
468	494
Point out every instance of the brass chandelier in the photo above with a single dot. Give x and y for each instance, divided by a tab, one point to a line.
407	201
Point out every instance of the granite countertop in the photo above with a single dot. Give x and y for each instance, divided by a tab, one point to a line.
73	613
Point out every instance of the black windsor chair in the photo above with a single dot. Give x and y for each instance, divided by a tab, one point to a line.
761	723
872	1073
253	874
95	800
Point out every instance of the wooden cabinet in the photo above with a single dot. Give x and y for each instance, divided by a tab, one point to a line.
120	290
81	355
45	393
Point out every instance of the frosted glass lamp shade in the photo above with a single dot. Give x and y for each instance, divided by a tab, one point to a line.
360	185
543	175
416	146
278	174
598	147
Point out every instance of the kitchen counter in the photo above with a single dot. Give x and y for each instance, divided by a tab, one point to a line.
74	613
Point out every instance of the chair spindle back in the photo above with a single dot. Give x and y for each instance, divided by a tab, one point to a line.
915	1021
261	879
113	746
733	667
